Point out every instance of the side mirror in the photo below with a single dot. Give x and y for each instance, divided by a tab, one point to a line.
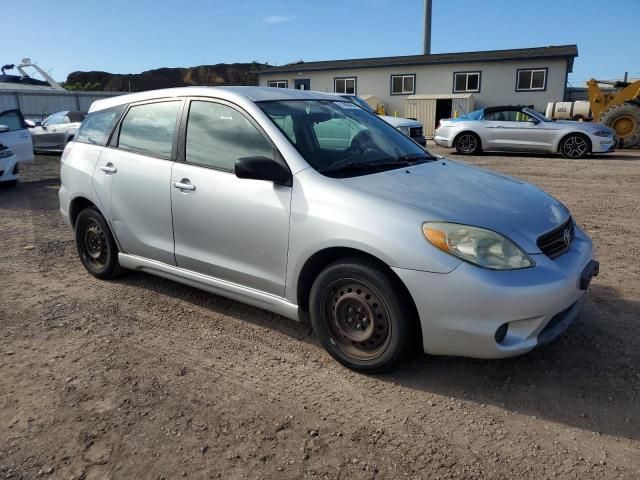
263	168
535	121
29	123
39	124
4	128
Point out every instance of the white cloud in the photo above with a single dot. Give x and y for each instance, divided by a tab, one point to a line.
272	19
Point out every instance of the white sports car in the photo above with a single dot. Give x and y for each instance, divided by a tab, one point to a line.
522	129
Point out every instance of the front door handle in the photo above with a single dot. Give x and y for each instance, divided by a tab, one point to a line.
108	168
184	184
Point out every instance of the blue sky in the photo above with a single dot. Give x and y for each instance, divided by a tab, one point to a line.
130	36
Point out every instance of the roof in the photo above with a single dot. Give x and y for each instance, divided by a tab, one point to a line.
438	96
252	94
568	51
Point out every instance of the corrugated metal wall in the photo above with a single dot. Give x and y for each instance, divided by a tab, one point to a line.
34	103
423	108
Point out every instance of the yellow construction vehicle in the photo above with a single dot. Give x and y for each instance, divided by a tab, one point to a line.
619	110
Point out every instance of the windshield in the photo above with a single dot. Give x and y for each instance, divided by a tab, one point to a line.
338	138
360	102
537	115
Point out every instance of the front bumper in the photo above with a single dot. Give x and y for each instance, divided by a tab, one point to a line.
420	140
9	169
602	144
443	141
461	312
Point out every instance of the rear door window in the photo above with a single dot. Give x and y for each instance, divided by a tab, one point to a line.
150	128
96	128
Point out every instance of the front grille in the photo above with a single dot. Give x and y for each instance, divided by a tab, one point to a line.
557	241
415	132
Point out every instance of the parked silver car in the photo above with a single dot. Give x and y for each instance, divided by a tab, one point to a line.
522	129
57	129
231	190
409	126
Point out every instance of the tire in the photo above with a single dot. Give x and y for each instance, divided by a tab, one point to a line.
468	143
575	146
361	315
8	184
625	120
96	247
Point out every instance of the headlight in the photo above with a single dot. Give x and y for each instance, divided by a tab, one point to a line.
6	152
603	133
404	130
479	246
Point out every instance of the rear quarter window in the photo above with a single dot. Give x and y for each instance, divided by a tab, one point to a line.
97	126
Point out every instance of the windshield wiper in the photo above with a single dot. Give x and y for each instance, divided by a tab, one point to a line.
402	161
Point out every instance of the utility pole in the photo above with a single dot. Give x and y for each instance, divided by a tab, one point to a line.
426	46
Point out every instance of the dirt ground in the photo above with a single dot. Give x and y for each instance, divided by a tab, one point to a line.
146	378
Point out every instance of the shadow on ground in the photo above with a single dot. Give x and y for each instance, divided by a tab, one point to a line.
588	378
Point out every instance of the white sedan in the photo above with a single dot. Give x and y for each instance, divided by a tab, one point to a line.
522	129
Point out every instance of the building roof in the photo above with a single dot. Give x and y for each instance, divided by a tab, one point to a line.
567	51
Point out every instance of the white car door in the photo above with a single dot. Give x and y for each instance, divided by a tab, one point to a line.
16	136
230	228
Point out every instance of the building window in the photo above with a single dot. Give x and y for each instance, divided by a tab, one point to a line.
531	79
403	84
466	82
345	86
278	83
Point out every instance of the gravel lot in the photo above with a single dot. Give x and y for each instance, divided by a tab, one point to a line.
145	378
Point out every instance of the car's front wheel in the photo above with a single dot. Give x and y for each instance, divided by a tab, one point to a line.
96	246
468	143
574	146
361	315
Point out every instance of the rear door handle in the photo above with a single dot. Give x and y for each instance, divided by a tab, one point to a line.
184	184
108	168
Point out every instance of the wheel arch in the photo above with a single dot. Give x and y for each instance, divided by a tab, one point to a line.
77	205
317	262
575	132
473	132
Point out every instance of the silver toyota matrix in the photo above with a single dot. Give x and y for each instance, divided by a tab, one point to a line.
305	204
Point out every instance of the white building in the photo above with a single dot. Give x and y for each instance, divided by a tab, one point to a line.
449	83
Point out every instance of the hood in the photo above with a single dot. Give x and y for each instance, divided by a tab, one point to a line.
400	122
453	192
584	126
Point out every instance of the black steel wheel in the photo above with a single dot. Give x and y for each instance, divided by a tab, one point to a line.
468	143
574	146
96	247
360	315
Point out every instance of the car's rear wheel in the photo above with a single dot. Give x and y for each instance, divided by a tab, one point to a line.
96	246
575	146
361	315
468	143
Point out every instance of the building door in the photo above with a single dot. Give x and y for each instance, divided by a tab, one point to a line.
443	109
302	84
